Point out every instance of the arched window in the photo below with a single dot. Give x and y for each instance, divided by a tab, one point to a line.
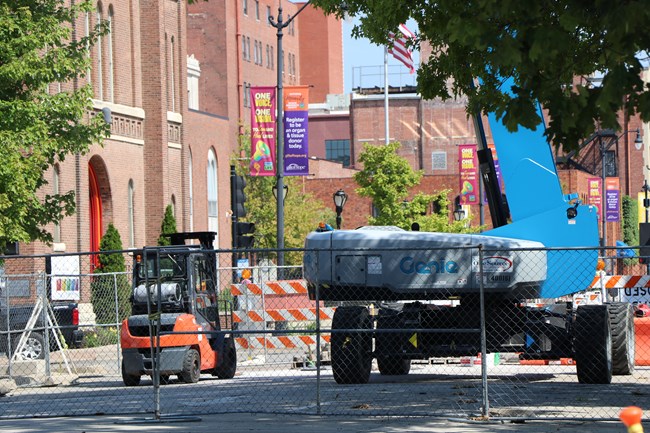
131	202
213	220
56	191
100	63
173	203
191	186
109	54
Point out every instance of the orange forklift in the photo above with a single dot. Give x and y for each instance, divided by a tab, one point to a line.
175	313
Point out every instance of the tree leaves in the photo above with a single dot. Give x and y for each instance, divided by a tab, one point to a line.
547	47
38	127
387	179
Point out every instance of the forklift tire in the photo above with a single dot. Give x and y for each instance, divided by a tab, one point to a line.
130	379
351	352
191	367
621	319
392	366
228	365
593	344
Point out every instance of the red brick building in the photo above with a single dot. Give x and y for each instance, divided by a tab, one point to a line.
176	79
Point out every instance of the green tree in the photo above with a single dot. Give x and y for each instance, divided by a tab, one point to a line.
39	127
543	47
387	179
630	226
168	226
109	280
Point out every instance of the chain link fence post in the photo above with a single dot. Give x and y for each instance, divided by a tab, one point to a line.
485	407
318	351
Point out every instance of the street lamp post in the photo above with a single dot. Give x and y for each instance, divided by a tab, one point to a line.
279	165
646	201
340	197
643	228
604	147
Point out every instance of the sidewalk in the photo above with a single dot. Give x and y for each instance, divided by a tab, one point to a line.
269	423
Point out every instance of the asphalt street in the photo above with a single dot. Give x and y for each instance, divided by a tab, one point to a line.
245	422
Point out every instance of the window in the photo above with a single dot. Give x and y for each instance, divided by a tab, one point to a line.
86	33
100	65
213	220
268	56
56	188
439	160
131	202
246	48
246	94
257	10
268	16
245	2
338	150
109	54
243	47
172	79
193	74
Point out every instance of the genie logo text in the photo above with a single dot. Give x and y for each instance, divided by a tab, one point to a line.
409	265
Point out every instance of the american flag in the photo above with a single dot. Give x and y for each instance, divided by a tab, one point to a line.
399	50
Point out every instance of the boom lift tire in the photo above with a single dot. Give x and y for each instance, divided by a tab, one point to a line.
393	366
130	379
227	368
351	351
191	367
621	318
593	344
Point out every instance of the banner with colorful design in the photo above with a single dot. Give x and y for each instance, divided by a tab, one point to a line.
612	200
595	193
64	278
296	134
263	134
468	173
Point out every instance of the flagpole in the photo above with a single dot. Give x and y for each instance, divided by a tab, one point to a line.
386	92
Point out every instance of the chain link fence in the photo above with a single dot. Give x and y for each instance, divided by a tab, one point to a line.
455	332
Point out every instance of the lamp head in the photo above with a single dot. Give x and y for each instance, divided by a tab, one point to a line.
638	141
340	198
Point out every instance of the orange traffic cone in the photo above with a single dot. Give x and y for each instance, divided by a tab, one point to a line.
631	417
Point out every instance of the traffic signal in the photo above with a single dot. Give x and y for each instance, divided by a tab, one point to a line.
238	198
244	234
644	242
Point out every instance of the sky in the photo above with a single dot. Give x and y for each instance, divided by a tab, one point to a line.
363	62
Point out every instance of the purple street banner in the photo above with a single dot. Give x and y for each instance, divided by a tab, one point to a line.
468	173
296	134
612	200
262	161
594	193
